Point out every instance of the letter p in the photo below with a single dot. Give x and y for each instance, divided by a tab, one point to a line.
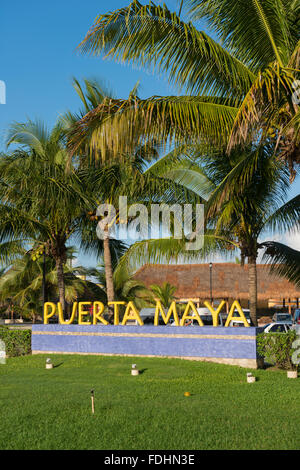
52	312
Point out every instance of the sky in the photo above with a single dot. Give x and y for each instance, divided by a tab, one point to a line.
38	43
39	58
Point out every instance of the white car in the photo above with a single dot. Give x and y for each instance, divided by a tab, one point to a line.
246	312
277	327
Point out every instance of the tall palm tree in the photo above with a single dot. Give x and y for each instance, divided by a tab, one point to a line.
92	95
253	210
40	200
115	174
240	86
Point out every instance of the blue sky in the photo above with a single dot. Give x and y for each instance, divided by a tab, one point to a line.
38	58
38	43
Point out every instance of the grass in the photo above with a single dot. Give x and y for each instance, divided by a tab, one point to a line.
51	409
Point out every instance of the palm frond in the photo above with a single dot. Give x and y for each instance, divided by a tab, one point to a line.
286	217
166	250
181	119
10	250
266	107
153	36
284	260
179	167
256	31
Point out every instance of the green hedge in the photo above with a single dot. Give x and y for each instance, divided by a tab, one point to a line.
276	348
17	342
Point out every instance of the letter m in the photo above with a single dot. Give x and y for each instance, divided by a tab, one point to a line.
166	317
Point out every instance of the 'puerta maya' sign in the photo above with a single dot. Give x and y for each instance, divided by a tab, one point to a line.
79	309
91	333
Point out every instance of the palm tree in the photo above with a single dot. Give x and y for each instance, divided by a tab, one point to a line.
117	174
21	283
253	210
44	197
240	88
123	175
164	293
40	200
125	286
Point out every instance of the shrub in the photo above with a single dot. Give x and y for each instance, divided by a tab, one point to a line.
277	348
17	342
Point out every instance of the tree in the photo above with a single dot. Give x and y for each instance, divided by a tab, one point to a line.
241	86
125	286
164	293
123	175
43	197
115	174
21	283
38	192
252	209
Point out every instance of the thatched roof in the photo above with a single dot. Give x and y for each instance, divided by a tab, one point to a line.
229	280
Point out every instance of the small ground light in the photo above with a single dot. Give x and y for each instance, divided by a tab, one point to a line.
134	370
93	401
250	378
49	364
187	394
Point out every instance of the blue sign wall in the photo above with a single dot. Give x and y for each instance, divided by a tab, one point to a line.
217	344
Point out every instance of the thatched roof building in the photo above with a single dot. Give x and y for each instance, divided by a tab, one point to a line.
228	281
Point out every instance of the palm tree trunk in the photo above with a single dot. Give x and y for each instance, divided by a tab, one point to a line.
253	288
110	292
60	282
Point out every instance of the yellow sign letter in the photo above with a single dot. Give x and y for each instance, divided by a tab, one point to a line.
193	316
46	314
215	313
231	313
98	309
82	312
116	311
61	316
131	313
166	318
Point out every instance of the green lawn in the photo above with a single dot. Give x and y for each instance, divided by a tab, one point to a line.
51	409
